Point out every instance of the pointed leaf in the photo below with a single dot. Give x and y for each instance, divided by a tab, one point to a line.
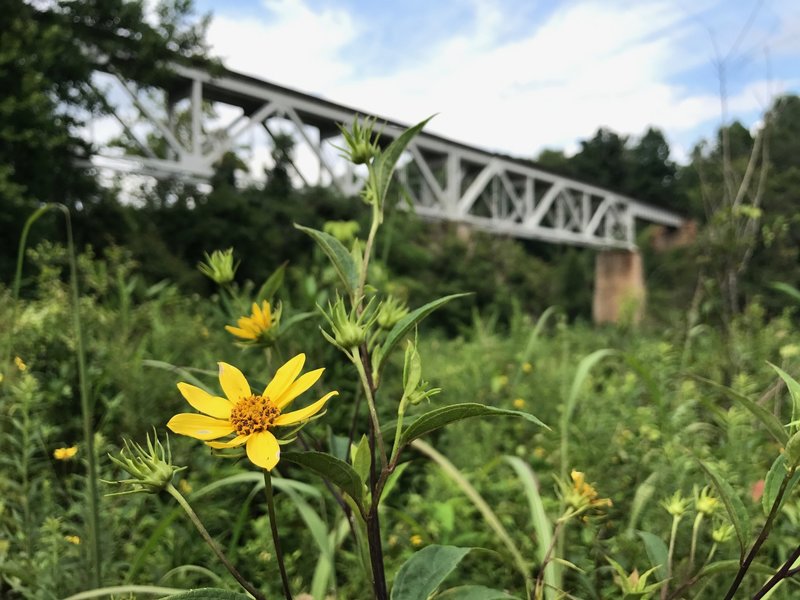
474	592
772	424
794	390
209	594
339	256
387	161
334	470
421	574
272	284
405	325
361	458
773	481
656	551
439	417
737	513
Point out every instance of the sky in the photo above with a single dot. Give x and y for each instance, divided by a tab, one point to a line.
518	76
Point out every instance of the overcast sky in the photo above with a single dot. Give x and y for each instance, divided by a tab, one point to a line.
518	76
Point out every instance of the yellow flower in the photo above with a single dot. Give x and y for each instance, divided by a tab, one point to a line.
252	417
416	540
527	367
20	363
256	325
73	539
539	452
519	403
65	453
583	495
185	487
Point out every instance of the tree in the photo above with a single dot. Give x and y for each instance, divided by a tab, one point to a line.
48	52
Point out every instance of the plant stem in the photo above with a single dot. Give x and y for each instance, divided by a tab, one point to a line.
670	554
762	536
87	408
273	523
374	525
695	532
784	572
249	587
360	362
373	230
539	585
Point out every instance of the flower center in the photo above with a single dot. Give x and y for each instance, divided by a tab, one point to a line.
253	414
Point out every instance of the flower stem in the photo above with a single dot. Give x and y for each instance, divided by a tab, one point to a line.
673	534
249	587
762	536
273	524
695	531
87	408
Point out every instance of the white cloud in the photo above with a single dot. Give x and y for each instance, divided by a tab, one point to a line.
590	64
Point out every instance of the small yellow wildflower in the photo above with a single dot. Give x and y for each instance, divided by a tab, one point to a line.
20	364
527	367
706	503
257	325
73	539
519	403
583	496
65	453
185	487
539	452
252	417
416	540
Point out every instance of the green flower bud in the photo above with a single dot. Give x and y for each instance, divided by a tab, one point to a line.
723	533
390	312
706	503
361	145
676	505
349	330
151	468
219	266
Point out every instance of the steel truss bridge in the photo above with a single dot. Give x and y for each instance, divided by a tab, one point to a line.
444	179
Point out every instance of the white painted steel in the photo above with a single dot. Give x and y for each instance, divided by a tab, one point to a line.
445	179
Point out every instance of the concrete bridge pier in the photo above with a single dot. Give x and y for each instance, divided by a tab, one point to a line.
619	289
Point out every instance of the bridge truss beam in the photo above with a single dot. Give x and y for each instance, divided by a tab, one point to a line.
444	179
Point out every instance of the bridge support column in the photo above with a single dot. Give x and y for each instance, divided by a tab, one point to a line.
619	289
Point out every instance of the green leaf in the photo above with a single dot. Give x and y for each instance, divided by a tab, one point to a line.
737	513
361	458
584	368
656	551
439	417
421	574
405	325
542	527
209	594
338	255
772	424
773	481
641	498
386	162
334	470
794	390
787	289
392	480
272	284
473	592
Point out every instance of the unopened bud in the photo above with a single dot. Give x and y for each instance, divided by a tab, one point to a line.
151	468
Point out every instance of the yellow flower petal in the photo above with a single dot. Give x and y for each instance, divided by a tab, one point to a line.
258	316
306	413
199	427
300	385
284	377
263	450
233	382
267	314
205	402
242	333
237	441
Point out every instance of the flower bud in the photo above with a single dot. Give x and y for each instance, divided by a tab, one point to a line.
151	468
219	266
390	312
676	505
361	145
